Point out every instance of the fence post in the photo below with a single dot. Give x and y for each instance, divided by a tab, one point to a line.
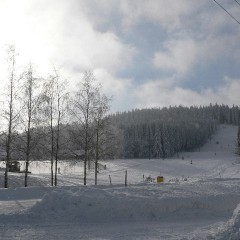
110	180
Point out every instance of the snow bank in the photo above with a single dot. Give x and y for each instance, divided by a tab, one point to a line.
134	203
230	230
23	193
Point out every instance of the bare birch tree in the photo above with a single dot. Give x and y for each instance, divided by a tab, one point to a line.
102	107
56	96
11	113
82	110
31	102
49	93
61	106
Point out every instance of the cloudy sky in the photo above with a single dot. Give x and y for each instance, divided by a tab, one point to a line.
146	53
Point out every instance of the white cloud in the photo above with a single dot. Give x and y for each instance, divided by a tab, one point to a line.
166	13
229	92
181	56
77	35
165	93
119	89
112	84
178	56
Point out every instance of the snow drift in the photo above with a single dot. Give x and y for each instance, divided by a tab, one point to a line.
231	229
143	202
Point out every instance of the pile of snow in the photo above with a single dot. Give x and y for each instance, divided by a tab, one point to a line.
142	202
230	230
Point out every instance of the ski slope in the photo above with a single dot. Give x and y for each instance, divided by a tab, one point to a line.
198	200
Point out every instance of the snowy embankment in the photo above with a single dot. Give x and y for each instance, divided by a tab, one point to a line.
203	201
138	203
142	202
229	230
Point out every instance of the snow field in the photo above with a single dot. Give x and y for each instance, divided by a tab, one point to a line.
196	201
216	159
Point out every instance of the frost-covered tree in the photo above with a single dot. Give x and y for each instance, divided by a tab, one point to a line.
55	96
238	141
100	124
160	133
31	118
11	109
83	107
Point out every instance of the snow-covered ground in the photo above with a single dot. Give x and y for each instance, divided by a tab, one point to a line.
198	200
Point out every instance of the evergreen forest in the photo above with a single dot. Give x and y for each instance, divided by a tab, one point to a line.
161	133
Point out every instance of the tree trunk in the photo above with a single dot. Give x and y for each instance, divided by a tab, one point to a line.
52	142
85	166
57	143
28	150
97	153
8	147
29	112
86	150
56	166
10	121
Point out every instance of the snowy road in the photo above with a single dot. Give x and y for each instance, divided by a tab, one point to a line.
128	231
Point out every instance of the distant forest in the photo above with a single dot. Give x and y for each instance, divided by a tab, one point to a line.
145	133
161	133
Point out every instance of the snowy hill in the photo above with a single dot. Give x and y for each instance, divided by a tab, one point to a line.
196	201
215	159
